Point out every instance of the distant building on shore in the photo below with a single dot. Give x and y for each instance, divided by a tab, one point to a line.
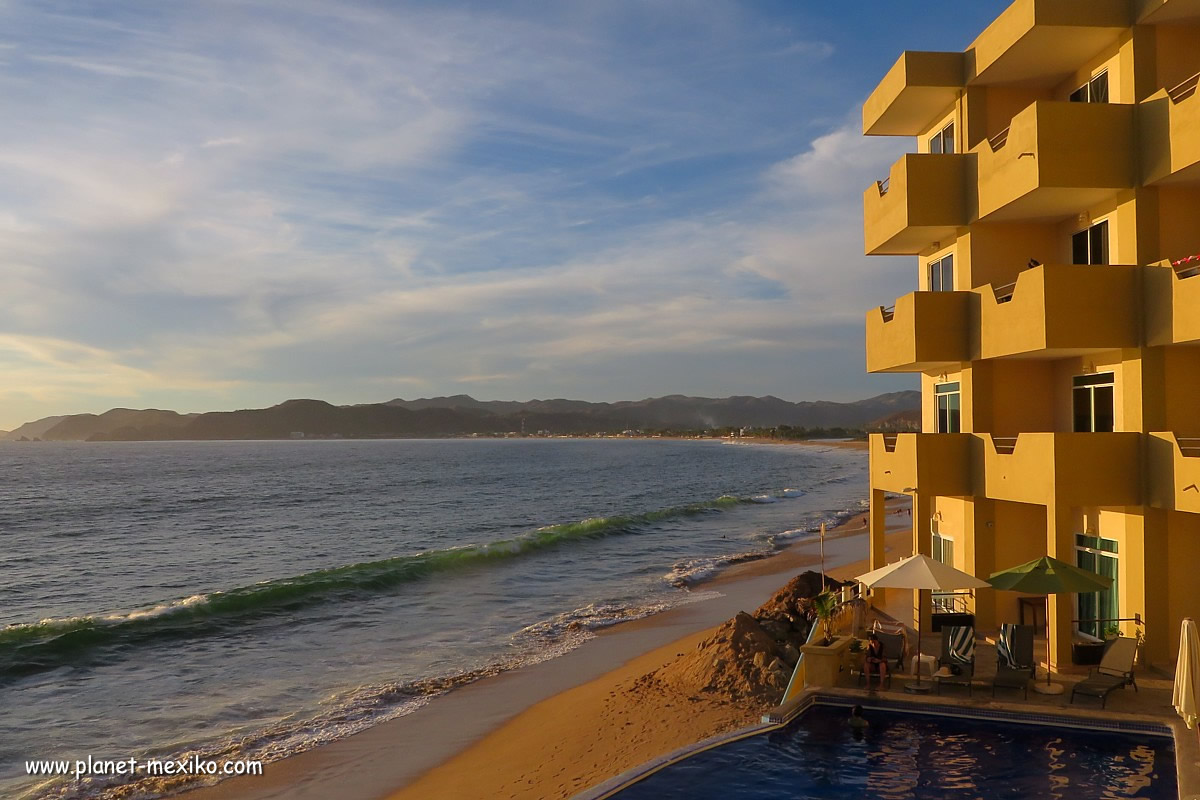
1052	206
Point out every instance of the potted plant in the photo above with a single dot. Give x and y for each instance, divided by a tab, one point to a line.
824	608
825	657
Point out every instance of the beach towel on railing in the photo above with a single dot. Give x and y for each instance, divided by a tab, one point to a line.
1004	646
962	643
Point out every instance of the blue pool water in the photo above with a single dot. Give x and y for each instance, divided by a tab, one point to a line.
920	758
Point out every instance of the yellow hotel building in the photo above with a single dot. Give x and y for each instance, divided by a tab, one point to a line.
1052	204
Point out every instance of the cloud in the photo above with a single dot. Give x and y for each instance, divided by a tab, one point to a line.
328	200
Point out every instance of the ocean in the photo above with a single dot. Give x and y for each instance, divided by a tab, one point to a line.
255	599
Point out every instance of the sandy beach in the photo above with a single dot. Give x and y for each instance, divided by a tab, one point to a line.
588	734
554	729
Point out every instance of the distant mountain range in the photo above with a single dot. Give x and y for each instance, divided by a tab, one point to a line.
463	415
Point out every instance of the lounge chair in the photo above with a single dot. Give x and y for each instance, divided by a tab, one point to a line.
893	647
1115	671
1014	658
893	653
958	655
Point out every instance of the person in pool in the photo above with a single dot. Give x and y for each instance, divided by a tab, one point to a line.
875	660
856	718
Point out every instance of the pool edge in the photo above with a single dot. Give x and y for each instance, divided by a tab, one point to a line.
1186	744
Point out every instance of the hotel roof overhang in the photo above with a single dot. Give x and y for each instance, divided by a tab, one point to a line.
1159	12
1042	42
918	87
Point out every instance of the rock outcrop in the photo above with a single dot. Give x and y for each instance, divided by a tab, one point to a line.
751	657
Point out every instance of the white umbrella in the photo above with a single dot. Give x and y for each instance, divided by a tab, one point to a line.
920	572
1187	674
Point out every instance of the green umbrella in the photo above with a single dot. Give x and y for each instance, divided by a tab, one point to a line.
1048	575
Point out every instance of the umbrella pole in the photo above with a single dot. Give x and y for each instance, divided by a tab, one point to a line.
920	608
1048	639
917	687
1050	687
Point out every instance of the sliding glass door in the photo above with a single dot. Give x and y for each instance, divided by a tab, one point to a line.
1099	556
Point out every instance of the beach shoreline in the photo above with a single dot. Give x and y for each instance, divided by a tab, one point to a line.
522	729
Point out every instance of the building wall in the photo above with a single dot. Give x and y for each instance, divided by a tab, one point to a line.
1048	186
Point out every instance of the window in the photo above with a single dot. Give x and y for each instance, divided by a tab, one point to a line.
941	274
1094	401
1100	556
949	407
1090	246
943	549
943	140
1094	91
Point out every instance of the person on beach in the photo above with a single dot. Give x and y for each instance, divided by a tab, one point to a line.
856	718
874	660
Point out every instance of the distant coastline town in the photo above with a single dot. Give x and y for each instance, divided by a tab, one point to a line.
732	418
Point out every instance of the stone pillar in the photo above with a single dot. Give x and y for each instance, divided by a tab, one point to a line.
922	542
980	552
1060	544
878	528
1143	570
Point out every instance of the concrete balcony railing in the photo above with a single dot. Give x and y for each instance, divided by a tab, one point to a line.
1060	310
1174	465
1172	305
1168	122
1056	158
932	463
1071	468
918	87
923	331
1040	42
923	200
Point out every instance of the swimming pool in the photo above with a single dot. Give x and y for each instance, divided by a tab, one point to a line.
819	757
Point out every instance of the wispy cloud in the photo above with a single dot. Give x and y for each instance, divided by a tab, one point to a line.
278	198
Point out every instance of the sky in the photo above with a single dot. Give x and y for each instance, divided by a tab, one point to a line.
230	203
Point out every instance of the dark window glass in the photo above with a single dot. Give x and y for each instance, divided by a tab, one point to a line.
1098	243
941	274
943	140
1094	402
1079	248
1096	378
949	407
1090	246
1094	91
1083	410
1103	399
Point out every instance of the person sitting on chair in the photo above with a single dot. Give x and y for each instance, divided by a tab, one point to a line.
875	660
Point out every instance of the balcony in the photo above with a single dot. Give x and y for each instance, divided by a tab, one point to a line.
934	463
1156	12
1054	159
1168	123
1174	465
1100	469
924	331
1172	300
1042	42
1060	310
923	200
918	87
